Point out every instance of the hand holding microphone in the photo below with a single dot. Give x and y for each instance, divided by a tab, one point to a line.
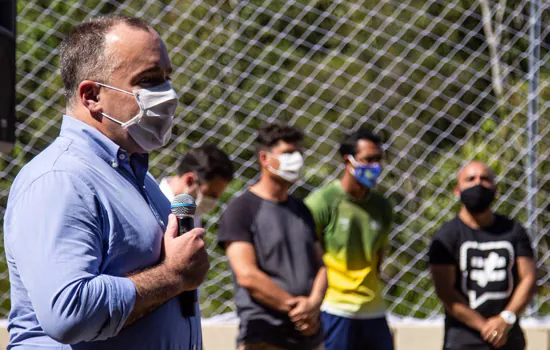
185	251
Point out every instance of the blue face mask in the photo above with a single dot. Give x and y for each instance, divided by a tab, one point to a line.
366	175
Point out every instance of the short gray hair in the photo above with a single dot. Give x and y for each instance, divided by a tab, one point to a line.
83	55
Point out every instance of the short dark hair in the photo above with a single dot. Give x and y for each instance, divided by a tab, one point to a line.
349	143
208	161
270	134
82	53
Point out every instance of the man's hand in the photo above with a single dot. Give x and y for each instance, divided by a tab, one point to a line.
185	256
304	314
309	327
495	331
184	267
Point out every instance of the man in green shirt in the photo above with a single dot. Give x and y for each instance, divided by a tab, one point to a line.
353	223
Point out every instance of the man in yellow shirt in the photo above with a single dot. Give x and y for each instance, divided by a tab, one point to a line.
353	223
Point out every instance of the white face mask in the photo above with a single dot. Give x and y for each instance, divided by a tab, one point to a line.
205	204
152	126
290	166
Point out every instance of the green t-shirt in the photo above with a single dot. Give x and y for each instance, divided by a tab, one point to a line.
353	233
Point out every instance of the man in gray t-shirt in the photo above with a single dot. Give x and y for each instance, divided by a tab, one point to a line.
270	240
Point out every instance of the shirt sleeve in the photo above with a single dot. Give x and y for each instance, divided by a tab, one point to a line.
308	218
236	221
54	233
320	211
441	252
524	247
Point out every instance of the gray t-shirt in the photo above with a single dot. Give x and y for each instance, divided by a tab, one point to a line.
283	236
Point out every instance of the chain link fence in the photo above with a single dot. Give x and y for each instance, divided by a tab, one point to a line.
442	82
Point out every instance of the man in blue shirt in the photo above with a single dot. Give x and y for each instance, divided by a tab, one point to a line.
93	255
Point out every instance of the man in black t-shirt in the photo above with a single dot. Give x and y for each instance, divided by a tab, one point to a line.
483	269
270	241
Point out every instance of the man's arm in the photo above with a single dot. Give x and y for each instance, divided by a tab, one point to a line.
523	293
320	283
306	310
58	250
527	286
444	279
242	258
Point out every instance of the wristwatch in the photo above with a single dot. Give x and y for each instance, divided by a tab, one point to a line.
509	317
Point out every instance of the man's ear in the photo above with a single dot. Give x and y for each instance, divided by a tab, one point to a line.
262	158
88	95
189	179
456	191
190	184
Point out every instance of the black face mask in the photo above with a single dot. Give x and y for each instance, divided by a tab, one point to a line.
477	199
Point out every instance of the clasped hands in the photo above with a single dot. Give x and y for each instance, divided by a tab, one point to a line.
305	314
495	331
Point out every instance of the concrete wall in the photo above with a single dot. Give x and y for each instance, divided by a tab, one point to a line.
407	337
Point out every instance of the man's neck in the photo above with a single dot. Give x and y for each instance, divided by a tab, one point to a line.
82	114
352	187
270	189
476	221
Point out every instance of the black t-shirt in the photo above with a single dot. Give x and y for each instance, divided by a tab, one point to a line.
283	236
486	271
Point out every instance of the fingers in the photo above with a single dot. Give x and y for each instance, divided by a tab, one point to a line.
171	227
496	338
296	311
311	328
298	317
486	331
300	325
490	335
292	301
200	232
501	342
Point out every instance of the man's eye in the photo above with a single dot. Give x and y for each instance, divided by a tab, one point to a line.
151	81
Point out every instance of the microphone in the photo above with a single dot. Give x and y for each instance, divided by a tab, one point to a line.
184	207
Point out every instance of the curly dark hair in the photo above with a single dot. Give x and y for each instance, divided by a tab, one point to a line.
269	135
349	143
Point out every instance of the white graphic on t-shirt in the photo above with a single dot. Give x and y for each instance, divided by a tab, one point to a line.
486	271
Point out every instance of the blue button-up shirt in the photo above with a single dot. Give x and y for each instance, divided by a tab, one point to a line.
81	216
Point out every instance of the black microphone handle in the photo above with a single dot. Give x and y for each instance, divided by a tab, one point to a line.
188	298
185	224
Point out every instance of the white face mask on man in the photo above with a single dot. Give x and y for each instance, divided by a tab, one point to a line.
205	204
152	126
290	166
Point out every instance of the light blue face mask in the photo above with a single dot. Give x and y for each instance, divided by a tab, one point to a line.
366	175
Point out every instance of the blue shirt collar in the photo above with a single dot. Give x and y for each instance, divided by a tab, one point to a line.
83	134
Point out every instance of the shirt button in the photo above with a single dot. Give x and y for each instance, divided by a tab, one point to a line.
162	222
122	156
114	164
